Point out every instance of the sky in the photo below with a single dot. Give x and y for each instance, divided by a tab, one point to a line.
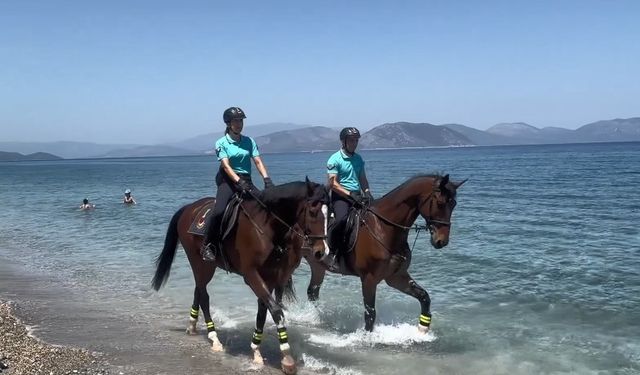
161	71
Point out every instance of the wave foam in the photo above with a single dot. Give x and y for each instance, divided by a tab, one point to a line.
403	334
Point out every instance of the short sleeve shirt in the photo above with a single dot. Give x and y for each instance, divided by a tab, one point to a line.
239	153
348	168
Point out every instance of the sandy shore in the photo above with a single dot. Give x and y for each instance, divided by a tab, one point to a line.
113	343
21	353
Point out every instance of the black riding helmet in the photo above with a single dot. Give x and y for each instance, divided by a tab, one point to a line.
233	113
349	132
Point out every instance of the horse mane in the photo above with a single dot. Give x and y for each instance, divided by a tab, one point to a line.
433	175
296	190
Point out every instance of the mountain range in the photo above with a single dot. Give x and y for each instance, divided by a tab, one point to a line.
285	137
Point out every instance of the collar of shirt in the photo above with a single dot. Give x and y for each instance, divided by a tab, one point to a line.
231	140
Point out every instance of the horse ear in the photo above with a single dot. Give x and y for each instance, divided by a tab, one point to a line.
458	184
444	181
309	186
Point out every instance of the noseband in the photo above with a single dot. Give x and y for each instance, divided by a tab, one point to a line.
429	220
308	238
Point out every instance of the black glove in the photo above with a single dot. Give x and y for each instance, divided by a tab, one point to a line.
357	196
368	198
243	185
268	183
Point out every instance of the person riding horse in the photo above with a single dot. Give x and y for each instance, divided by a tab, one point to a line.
235	152
349	185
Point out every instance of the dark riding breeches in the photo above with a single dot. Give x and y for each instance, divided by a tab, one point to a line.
226	190
341	206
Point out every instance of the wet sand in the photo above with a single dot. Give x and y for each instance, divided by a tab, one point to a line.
61	321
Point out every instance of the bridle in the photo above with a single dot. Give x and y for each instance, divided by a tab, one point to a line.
307	238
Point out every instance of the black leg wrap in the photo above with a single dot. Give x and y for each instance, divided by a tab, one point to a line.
282	335
257	337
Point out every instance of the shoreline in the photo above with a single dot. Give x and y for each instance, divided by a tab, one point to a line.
49	322
23	353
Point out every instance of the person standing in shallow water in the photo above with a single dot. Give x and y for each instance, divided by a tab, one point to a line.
128	198
235	153
348	184
86	205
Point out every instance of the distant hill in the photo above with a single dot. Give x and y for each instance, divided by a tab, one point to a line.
206	142
610	131
407	134
15	156
304	139
67	150
142	151
286	137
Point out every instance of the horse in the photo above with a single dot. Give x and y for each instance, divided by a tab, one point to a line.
264	247
381	251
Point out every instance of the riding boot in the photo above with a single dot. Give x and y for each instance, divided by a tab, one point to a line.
210	243
335	240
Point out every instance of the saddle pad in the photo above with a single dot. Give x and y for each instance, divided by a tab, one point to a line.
201	220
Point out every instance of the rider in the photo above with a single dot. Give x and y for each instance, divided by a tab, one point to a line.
348	183
234	152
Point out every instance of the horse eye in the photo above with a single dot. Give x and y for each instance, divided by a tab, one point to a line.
453	203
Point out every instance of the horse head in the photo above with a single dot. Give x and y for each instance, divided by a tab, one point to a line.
436	204
315	219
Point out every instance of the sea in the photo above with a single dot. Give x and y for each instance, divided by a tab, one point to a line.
541	274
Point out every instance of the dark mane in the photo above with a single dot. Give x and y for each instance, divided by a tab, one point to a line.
415	177
296	190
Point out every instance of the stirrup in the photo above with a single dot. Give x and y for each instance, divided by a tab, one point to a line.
208	254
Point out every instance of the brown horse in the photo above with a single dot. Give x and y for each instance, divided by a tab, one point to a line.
381	251
264	247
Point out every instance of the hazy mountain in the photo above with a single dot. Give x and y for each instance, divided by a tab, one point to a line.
16	156
610	130
393	135
406	134
479	137
141	151
304	139
206	142
67	150
522	133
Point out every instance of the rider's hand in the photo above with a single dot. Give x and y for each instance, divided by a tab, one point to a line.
243	185
368	198
357	197
268	183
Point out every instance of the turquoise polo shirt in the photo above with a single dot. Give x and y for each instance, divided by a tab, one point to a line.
348	168
239	153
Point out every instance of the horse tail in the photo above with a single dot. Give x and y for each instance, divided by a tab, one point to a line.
289	292
164	260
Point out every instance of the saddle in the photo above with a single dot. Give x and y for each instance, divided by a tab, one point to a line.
201	221
350	231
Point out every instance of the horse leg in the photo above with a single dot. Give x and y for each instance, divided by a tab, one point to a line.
403	282
259	287
369	285
317	277
195	310
216	345
256	340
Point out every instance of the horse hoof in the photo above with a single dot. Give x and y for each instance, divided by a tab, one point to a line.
192	331
257	358
423	329
216	347
288	365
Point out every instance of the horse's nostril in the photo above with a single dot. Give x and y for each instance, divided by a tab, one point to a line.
317	254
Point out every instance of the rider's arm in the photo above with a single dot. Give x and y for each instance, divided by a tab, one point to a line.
226	166
335	186
261	167
364	183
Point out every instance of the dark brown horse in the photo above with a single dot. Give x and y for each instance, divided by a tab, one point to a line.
265	247
381	250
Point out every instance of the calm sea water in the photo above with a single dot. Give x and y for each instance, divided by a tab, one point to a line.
542	273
